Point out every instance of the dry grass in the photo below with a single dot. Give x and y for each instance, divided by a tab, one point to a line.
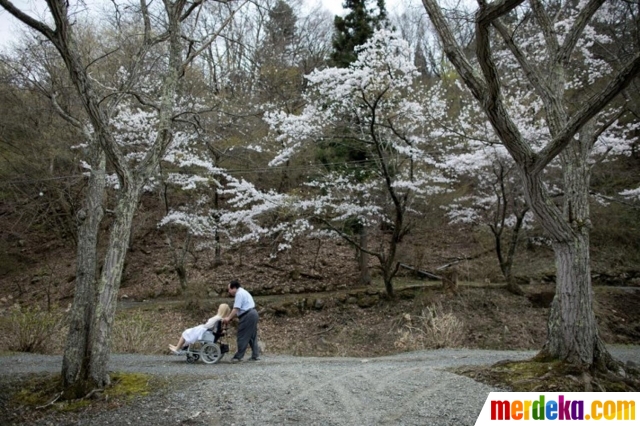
32	329
146	331
432	329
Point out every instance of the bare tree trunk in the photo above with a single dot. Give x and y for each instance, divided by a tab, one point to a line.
450	280
388	262
217	258
572	329
506	263
131	183
513	287
77	348
388	284
181	268
109	284
178	258
363	257
499	225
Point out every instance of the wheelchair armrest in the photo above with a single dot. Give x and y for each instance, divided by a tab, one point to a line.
218	330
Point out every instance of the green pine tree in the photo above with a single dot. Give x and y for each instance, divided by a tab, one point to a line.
355	29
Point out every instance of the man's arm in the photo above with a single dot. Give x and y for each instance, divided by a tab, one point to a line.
232	315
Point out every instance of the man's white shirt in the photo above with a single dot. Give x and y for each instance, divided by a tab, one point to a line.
243	301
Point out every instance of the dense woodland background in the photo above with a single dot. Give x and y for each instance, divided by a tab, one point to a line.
259	182
262	60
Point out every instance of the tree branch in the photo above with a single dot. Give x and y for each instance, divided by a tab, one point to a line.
531	72
193	54
590	108
143	101
33	23
191	8
492	99
349	239
581	22
454	51
64	114
546	26
101	57
487	13
148	41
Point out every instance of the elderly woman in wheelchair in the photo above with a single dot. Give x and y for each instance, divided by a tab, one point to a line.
204	341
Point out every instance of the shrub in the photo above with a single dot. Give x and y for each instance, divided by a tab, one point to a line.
146	331
133	332
32	329
432	329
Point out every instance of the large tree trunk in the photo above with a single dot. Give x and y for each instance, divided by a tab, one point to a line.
572	327
572	330
85	360
131	184
77	351
109	284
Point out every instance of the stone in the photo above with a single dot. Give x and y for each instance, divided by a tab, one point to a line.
367	301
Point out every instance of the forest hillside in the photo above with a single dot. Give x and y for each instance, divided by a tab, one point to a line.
379	182
310	298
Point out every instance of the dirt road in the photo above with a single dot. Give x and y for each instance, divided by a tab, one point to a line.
407	389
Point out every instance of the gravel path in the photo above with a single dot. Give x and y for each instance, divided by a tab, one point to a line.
406	389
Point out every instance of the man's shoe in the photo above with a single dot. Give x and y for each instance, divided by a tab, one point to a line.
254	359
234	360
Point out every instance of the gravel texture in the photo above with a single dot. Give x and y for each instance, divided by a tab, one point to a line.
406	389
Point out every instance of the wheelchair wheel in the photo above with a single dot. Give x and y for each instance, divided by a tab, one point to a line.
192	358
210	353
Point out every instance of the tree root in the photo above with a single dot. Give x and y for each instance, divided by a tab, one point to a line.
90	394
548	375
50	403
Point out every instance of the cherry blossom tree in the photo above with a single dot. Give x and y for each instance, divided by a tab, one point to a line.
631	194
386	122
374	107
547	49
473	154
496	201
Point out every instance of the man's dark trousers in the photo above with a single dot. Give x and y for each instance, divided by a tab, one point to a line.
248	334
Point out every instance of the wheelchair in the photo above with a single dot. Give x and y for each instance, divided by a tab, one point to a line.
210	348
